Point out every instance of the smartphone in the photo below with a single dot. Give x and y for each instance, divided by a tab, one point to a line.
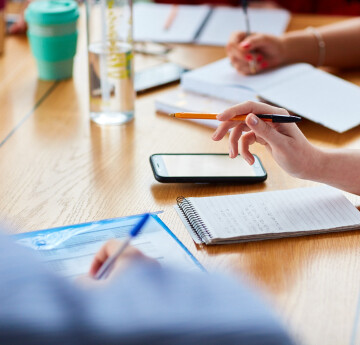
160	75
205	168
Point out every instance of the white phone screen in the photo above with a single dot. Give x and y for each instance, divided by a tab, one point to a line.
207	165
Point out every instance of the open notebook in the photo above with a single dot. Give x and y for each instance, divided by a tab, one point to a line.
300	88
202	24
267	215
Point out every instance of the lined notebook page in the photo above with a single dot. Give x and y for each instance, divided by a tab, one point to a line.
290	211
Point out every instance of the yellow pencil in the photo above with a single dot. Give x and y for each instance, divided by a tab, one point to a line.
265	117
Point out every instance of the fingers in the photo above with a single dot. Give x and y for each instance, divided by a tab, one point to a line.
109	249
248	107
274	133
241	57
224	127
234	139
235	38
254	42
102	255
242	66
260	50
247	139
264	130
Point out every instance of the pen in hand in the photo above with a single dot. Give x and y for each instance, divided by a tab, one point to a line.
105	269
275	118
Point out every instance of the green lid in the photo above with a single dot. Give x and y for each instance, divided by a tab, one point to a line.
52	12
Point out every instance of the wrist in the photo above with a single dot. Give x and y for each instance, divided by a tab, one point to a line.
299	46
316	167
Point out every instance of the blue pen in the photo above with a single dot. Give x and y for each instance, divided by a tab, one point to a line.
104	270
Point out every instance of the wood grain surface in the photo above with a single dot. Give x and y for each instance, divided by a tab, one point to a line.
58	168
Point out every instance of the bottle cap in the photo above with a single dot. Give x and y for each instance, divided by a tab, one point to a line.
51	12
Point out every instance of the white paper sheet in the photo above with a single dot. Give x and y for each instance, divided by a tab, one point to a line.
226	20
71	256
150	19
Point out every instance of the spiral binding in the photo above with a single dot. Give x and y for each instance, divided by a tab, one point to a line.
194	220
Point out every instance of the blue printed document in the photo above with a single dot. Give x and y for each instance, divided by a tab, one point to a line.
69	250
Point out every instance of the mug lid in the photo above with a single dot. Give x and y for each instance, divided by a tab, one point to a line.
52	12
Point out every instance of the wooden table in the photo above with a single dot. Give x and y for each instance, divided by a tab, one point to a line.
58	168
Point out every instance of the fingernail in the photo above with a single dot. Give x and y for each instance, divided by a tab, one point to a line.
253	120
247	160
214	135
264	64
249	57
219	116
245	44
259	58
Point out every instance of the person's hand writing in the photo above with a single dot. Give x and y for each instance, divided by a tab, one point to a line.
265	51
128	257
288	146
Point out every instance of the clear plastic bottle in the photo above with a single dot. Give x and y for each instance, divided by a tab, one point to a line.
110	53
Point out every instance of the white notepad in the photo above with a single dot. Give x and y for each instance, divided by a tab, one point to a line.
149	21
300	88
202	24
267	215
226	20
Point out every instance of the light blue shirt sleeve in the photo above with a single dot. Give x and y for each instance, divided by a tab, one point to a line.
145	305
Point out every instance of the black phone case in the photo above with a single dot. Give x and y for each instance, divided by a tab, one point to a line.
206	179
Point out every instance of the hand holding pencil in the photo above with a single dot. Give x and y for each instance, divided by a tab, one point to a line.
275	118
286	143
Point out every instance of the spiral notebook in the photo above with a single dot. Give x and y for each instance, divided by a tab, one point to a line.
267	215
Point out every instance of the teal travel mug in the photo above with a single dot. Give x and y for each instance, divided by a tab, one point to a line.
52	35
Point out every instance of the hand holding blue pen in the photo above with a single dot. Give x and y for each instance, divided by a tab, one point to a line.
105	269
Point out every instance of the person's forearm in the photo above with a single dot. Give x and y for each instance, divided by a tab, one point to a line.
338	168
342	45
